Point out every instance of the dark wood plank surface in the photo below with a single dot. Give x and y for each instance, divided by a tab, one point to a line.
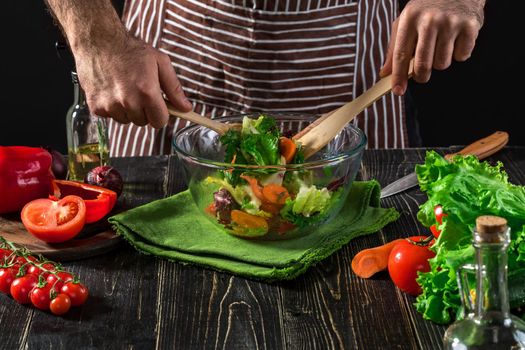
140	302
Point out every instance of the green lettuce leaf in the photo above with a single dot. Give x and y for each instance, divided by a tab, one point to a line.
310	206
466	188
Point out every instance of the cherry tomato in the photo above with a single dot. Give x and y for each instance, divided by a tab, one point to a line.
405	260
77	292
4	253
21	287
21	260
37	271
439	214
54	221
7	276
60	304
59	281
33	270
40	297
435	231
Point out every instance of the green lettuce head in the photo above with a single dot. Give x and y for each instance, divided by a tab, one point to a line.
466	188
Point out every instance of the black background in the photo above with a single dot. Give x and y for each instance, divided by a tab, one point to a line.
468	101
37	88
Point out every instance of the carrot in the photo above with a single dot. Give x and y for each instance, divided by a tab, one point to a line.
369	261
275	194
246	220
254	185
211	209
232	162
287	148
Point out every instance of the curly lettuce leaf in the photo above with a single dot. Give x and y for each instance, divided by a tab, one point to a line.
310	206
466	188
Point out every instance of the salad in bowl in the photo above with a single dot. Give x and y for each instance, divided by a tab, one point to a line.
253	181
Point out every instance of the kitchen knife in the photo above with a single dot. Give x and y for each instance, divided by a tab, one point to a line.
482	149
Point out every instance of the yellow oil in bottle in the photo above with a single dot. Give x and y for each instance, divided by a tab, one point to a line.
85	158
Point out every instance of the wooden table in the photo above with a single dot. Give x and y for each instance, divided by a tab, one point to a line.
140	302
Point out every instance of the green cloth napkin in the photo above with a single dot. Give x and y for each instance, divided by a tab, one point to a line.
174	228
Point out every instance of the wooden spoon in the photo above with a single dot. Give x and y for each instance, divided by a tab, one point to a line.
218	127
318	134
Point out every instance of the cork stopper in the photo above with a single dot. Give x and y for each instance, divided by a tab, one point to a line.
491	229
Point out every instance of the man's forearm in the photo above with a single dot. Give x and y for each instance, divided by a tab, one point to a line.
88	25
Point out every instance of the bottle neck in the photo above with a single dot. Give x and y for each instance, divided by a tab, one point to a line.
491	290
78	92
79	95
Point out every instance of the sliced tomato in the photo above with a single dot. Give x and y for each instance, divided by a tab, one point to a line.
99	200
54	221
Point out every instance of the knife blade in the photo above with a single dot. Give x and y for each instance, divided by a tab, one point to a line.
482	148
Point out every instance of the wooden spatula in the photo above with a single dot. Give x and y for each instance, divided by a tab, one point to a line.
218	127
318	134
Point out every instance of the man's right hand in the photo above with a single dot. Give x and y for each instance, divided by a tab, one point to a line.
126	83
123	77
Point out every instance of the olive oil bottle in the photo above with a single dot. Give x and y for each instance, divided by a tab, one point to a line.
87	136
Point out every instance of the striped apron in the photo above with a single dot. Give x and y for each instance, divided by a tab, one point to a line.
238	56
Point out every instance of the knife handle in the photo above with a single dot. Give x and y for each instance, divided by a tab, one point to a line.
484	147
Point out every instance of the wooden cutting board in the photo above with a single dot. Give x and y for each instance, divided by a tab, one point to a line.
95	239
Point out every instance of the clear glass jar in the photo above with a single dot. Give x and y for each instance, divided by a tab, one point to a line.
87	136
487	322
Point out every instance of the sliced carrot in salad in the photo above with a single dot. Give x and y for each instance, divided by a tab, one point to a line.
287	148
275	194
257	190
246	220
211	209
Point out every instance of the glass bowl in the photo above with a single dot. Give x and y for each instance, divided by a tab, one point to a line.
331	170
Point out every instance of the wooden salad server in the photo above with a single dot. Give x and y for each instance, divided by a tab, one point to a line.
318	134
218	127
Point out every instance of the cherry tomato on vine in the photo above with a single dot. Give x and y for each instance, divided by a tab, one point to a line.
405	260
7	276
4	253
21	287
59	281
60	304
40	297
77	292
35	270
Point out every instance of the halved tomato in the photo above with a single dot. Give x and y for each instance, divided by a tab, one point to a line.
54	221
99	200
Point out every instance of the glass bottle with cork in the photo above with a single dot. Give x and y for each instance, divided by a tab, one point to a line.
87	136
488	323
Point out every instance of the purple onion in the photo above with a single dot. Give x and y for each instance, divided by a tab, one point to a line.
105	176
59	164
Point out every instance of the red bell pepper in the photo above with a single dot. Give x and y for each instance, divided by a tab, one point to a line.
99	200
25	174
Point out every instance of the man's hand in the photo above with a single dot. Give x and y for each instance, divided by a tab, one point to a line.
433	32
123	77
126	83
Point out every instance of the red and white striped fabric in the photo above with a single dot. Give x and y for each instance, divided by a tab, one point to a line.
237	56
